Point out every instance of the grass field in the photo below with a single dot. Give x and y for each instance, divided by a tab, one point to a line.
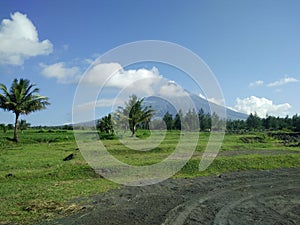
37	185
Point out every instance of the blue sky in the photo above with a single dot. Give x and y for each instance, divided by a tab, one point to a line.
253	47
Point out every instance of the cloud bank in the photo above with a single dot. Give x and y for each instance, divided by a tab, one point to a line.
261	106
19	40
143	82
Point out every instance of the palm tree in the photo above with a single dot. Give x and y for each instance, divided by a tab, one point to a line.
136	113
22	98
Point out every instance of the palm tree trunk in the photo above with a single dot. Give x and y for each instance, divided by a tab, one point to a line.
133	130
16	139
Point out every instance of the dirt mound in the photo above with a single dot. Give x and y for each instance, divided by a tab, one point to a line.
250	197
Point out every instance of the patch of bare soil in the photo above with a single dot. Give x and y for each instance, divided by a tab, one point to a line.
250	197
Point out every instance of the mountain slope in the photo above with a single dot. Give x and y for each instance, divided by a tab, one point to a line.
162	106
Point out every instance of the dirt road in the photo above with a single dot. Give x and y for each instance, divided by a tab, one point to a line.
250	197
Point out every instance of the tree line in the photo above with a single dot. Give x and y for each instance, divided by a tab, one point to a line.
134	116
252	123
23	125
191	121
270	123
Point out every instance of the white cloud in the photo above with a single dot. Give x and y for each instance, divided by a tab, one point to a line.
99	73
61	72
112	75
283	81
256	83
19	40
280	82
142	82
261	106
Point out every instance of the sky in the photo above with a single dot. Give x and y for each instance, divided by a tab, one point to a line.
252	48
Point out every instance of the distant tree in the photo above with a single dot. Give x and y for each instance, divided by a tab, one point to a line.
296	123
217	123
204	120
105	125
288	122
22	98
67	127
10	126
201	118
23	125
3	127
169	122
191	120
236	125
157	124
177	120
253	122
272	123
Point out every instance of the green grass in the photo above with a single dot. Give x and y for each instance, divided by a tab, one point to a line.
44	186
240	163
41	178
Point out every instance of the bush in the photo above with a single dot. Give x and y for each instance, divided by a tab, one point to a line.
253	139
105	136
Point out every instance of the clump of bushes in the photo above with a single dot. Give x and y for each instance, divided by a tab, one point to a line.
106	136
287	138
253	139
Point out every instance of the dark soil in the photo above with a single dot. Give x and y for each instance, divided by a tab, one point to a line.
250	197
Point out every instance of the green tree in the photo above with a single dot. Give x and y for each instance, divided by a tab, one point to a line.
10	126
296	123
136	113
23	125
177	120
168	119
204	120
236	125
254	122
217	123
22	98
105	125
191	120
3	127
271	122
